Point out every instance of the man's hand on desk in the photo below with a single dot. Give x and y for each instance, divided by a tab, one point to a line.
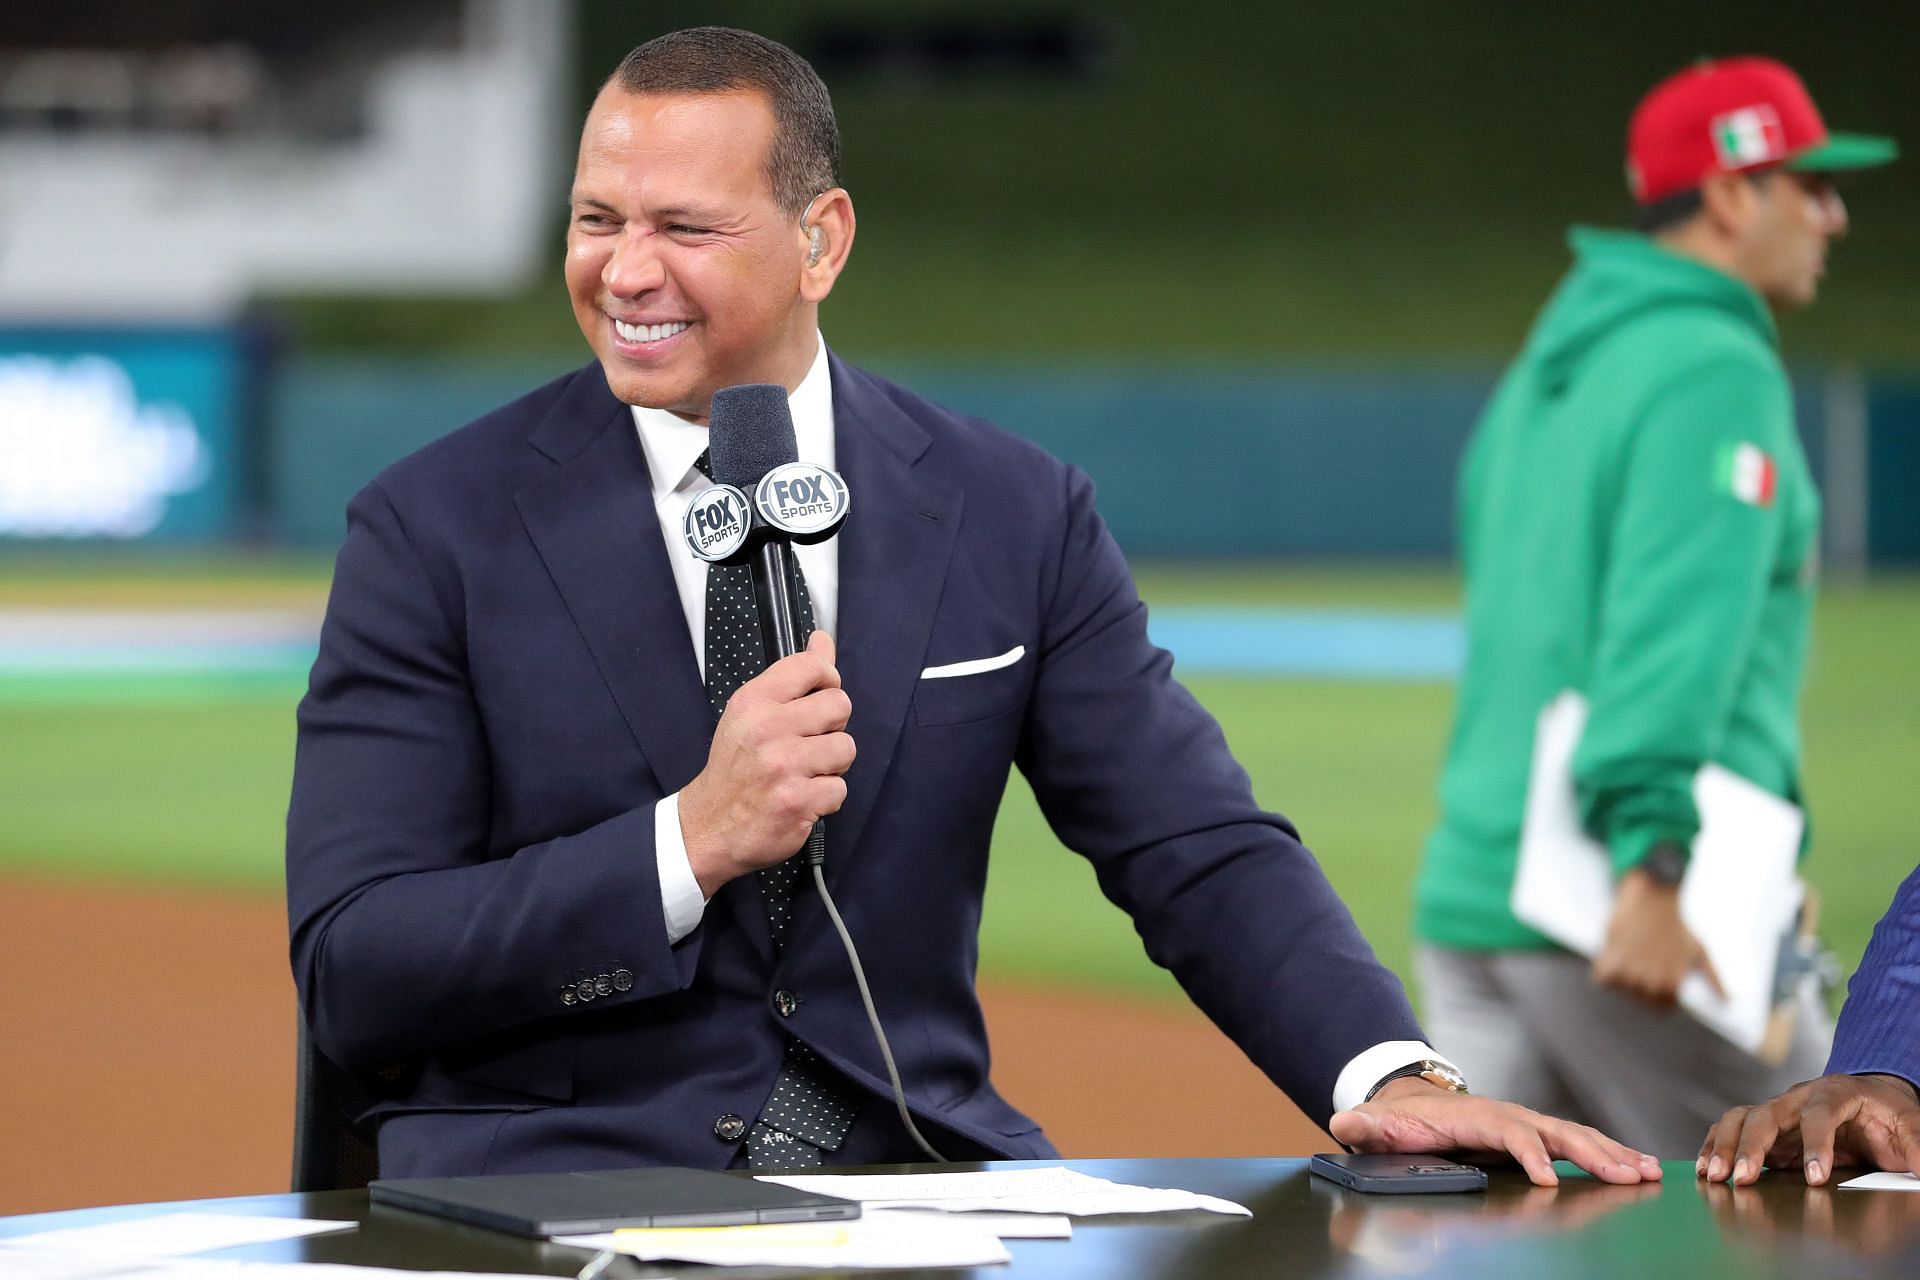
774	768
1413	1115
1649	950
1837	1120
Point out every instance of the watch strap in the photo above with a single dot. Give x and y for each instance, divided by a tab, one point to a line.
1441	1075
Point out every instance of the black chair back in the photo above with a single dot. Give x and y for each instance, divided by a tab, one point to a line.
331	1152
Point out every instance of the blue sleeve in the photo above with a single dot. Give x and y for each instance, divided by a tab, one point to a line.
1879	1028
1132	773
409	931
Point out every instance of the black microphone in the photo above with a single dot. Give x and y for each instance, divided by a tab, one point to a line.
751	450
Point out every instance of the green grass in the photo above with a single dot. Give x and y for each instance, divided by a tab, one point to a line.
188	781
192	790
1352	766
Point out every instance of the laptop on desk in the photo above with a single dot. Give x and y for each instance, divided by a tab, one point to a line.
554	1204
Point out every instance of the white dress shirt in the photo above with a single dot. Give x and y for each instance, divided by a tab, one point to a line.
672	444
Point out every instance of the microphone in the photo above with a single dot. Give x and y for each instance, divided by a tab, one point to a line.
751	449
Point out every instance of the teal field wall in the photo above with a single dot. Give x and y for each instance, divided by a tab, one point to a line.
1353	462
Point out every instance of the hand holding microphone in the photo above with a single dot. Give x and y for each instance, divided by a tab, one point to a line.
774	769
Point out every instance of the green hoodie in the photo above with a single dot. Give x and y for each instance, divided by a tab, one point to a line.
1637	523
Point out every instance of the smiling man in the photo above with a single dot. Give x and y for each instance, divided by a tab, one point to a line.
538	853
1638	525
680	252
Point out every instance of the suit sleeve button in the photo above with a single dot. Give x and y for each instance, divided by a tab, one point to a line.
585	989
623	979
566	994
785	1002
603	985
729	1128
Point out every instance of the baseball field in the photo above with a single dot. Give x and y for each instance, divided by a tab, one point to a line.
146	733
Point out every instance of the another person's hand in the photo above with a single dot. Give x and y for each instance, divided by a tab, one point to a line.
774	768
1835	1121
1414	1116
1649	950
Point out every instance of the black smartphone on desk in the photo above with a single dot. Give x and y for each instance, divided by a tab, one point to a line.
1387	1173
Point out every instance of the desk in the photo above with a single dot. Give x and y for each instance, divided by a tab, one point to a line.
1302	1226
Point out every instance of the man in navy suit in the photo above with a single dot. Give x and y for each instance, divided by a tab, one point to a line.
522	854
1866	1109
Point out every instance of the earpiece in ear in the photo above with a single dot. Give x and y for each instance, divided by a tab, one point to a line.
816	244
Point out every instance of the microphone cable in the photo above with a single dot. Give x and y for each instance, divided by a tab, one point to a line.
866	998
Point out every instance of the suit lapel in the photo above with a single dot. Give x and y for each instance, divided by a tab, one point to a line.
894	550
594	525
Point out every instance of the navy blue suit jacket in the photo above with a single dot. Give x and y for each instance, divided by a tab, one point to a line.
506	686
1879	1027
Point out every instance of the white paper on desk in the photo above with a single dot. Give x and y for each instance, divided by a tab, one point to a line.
25	1264
198	1269
1740	897
1054	1189
1882	1182
873	1240
28	1264
333	1271
173	1234
1007	1226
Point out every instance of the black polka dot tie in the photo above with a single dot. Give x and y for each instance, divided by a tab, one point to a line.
812	1107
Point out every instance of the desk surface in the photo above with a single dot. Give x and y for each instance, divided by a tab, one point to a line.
1302	1226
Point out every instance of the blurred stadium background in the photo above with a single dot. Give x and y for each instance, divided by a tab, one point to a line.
252	251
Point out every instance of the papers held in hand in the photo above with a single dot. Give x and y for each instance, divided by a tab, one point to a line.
1741	897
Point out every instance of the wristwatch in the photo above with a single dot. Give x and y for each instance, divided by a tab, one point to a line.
1438	1074
1665	863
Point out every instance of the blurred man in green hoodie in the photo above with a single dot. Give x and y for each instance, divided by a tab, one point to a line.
1638	525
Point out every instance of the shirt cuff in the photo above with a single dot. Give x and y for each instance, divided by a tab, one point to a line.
681	901
1370	1066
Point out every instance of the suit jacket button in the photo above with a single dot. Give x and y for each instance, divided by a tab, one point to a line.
603	985
623	979
585	989
785	1002
729	1128
566	994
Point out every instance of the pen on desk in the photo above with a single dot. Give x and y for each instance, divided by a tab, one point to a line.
601	1261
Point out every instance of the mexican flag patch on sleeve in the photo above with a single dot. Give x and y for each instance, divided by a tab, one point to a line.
1749	474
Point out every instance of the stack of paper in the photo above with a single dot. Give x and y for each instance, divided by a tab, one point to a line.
1882	1182
1051	1190
157	1248
874	1240
910	1220
173	1234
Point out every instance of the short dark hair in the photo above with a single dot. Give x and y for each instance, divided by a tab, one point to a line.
804	157
1669	212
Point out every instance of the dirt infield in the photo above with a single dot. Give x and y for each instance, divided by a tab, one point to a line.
146	1053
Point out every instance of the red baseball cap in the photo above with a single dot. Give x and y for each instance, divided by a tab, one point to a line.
1730	114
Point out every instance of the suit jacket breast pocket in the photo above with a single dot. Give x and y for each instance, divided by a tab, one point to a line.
976	695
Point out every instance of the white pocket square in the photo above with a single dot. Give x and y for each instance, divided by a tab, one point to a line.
974	666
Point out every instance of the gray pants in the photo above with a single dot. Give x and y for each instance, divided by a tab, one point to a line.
1531	1027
